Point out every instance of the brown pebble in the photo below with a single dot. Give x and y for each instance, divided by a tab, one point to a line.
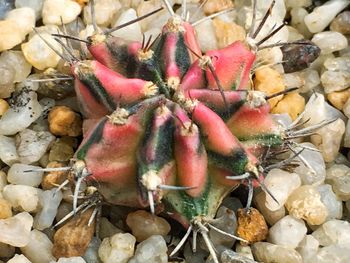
144	225
4	106
251	226
339	98
227	33
52	179
341	23
73	238
269	81
5	209
292	103
63	121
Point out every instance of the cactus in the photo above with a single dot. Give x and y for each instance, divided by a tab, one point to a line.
173	129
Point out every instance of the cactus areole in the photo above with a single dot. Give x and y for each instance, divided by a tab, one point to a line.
171	128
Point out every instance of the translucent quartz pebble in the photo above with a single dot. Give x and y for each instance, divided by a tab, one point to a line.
271	217
8	151
24	111
32	145
332	253
131	32
39	54
55	10
305	203
17	175
144	225
229	256
270	253
105	11
287	232
117	249
338	175
330	200
322	15
153	249
38	249
330	41
16	230
333	232
280	183
22	197
308	248
17	60
317	173
335	80
49	202
208	40
341	23
298	14
328	138
19	259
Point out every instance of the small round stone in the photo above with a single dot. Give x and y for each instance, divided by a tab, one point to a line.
292	103
227	32
338	175
55	10
271	217
22	197
333	232
330	41
64	121
52	179
339	98
287	232
305	203
24	17
17	60
341	23
117	249
270	253
143	225
19	259
105	11
153	249
251	225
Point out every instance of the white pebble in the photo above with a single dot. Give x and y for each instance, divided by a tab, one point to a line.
15	230
308	248
335	80
3	180
117	249
317	173
39	54
32	145
131	32
91	253
105	11
22	197
17	175
24	17
333	232
54	10
311	80
8	151
38	250
25	111
305	203
298	14
19	259
206	41
267	252
280	183
17	60
49	201
153	249
330	200
287	232
11	34
338	175
322	15
330	41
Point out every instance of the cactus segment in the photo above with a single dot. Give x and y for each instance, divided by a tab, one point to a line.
190	155
115	53
232	65
103	87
